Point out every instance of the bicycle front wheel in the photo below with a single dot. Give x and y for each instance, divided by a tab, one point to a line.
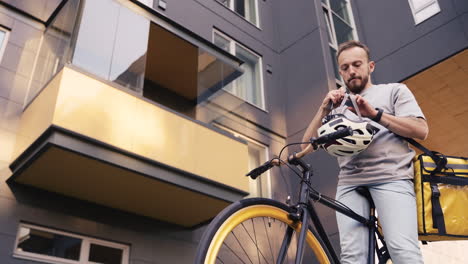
252	231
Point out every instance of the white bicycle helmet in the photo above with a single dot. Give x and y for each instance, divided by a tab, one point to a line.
363	133
362	136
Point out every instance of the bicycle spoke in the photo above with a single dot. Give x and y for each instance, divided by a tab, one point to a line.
268	239
255	242
233	252
245	252
222	262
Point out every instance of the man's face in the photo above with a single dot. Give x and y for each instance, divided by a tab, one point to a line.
355	68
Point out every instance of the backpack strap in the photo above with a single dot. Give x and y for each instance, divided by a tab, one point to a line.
439	158
437	213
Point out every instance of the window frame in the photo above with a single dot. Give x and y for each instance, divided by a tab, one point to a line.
84	250
232	7
5	41
416	12
333	43
232	50
265	179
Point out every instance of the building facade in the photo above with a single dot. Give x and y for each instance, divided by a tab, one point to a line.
125	125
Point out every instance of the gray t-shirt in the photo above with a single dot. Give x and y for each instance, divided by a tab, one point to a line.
388	157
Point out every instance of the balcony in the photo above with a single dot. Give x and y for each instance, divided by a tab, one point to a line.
82	137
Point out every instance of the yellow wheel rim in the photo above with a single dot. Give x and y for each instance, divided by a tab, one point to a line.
260	211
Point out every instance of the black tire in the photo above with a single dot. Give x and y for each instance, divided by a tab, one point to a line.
251	231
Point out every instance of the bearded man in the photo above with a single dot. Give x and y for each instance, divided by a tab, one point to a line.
384	167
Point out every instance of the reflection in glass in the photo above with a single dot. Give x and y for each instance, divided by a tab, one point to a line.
247	9
103	254
2	37
340	7
96	38
221	42
55	50
113	44
335	64
343	31
248	85
129	56
225	2
41	9
420	4
50	244
331	39
225	44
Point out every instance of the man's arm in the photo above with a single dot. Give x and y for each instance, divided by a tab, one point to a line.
412	127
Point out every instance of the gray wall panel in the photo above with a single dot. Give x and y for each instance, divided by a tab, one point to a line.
461	6
389	25
304	79
294	20
463	20
422	53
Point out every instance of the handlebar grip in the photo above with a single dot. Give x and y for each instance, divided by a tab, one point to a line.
341	133
259	170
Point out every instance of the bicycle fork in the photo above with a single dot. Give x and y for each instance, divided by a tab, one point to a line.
301	214
301	240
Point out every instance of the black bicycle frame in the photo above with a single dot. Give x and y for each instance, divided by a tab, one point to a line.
306	210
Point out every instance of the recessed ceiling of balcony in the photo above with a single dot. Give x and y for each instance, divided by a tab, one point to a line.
442	93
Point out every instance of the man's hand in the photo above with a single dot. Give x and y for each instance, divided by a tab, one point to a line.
335	96
411	127
365	108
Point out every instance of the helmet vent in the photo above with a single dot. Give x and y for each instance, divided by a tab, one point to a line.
349	140
366	142
346	151
340	127
359	131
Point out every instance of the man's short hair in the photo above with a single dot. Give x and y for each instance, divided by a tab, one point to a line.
351	44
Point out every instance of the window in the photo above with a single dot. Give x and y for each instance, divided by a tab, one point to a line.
258	154
3	40
340	27
148	3
423	9
245	8
249	86
52	246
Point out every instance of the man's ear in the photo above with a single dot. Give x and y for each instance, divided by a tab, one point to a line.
371	66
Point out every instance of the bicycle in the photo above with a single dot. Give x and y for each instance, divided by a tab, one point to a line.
259	230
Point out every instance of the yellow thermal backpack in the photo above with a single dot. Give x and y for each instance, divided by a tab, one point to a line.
441	187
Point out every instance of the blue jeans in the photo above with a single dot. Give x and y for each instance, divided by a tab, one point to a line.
397	215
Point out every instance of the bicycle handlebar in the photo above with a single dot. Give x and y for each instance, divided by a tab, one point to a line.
315	142
341	133
259	170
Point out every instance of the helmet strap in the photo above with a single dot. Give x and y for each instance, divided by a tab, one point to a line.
352	98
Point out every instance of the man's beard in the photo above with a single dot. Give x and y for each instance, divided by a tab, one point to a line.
357	88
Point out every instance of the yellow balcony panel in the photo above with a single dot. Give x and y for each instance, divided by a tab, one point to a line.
84	138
